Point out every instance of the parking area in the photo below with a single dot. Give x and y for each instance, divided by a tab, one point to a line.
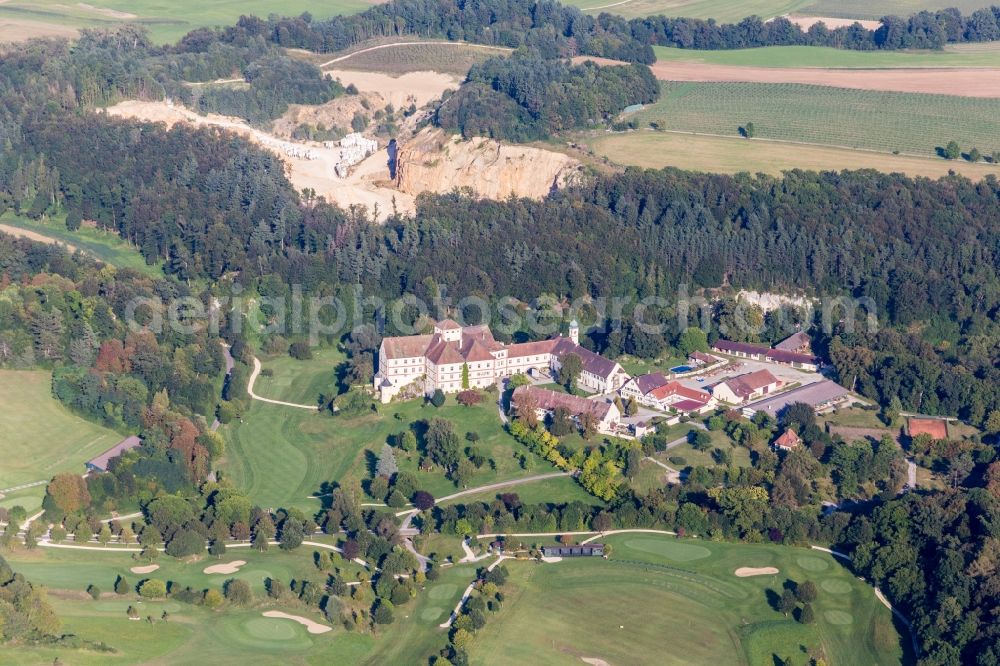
741	366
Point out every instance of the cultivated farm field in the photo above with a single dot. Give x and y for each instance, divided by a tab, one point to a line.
166	21
662	600
722	11
957	55
38	436
876	9
730	154
402	58
868	120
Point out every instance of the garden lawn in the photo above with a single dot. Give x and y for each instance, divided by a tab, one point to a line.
660	600
38	436
282	456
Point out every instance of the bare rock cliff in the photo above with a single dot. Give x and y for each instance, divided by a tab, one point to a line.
433	161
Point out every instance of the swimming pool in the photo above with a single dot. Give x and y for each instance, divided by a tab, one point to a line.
680	369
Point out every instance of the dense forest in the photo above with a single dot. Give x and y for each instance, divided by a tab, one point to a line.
217	211
207	203
525	97
558	30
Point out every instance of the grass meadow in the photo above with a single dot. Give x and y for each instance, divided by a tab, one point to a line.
105	246
39	437
959	55
660	600
166	21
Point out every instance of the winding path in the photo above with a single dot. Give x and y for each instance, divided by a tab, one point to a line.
253	378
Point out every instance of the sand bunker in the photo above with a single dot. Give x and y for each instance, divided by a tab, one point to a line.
311	627
225	568
746	572
551	559
594	661
149	568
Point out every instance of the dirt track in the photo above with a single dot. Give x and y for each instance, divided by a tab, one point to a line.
980	82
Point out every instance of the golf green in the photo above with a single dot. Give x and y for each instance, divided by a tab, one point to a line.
431	613
811	563
838	617
444	591
672	550
834	586
270	629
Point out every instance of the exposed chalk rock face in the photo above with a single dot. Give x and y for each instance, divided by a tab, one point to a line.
438	162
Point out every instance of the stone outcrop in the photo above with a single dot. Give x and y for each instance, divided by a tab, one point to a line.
433	161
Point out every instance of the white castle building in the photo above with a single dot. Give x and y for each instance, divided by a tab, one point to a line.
439	360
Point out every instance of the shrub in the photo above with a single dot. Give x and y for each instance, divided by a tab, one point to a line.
94	592
469	398
437	398
212	599
121	585
152	588
238	592
300	351
423	500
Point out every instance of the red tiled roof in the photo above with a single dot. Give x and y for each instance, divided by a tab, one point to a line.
447	325
771	354
788	440
521	349
742	347
406	346
936	428
646	383
794	342
676	388
592	363
791	357
688	405
549	400
442	352
744	385
703	357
